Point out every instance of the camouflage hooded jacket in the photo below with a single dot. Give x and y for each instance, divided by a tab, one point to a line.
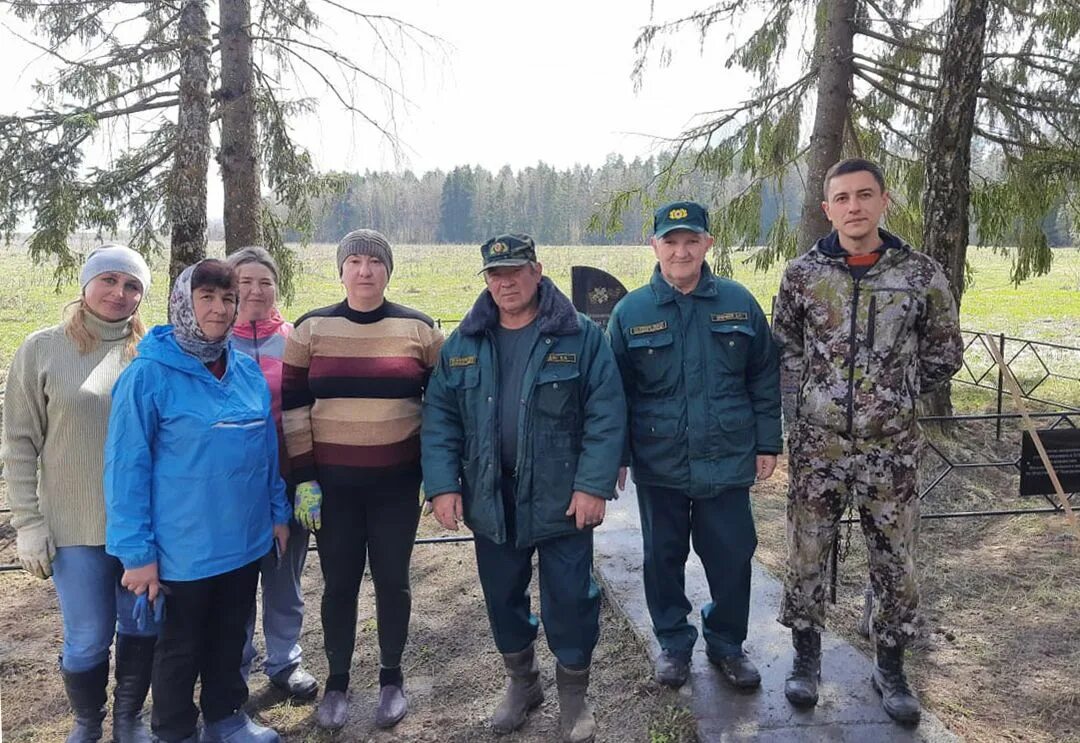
855	353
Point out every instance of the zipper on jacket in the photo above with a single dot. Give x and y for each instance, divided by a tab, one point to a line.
255	341
496	446
852	346
871	322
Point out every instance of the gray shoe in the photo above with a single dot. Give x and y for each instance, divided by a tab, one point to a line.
672	670
296	682
238	728
523	693
738	670
333	710
576	721
392	706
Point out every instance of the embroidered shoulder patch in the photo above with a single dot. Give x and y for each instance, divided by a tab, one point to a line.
729	316
561	358
462	361
656	327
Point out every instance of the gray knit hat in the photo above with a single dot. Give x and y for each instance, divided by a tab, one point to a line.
365	242
107	258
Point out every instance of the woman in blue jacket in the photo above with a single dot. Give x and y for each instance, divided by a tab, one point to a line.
194	500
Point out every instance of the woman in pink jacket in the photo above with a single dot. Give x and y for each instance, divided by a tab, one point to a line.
260	332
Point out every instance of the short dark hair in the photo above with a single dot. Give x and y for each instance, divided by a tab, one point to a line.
853	165
214	273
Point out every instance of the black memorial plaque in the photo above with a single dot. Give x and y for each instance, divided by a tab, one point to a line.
1063	447
595	292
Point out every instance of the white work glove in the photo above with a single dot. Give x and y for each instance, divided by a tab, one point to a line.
36	550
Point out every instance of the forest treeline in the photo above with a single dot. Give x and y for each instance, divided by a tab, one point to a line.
468	204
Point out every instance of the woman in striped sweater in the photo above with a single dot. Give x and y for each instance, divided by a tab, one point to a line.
56	412
353	378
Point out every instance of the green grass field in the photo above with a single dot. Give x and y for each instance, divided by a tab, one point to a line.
441	280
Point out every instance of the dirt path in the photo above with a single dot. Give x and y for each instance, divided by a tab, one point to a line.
454	675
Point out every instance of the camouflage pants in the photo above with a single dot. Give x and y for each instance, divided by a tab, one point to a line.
828	473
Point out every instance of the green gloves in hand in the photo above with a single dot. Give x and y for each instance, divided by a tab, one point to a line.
35	549
308	512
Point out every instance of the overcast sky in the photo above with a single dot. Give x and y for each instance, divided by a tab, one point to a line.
515	82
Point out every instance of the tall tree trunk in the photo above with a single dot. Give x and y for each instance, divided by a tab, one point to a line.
239	165
947	198
835	45
187	198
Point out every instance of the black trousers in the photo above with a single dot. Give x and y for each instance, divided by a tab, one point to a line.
375	522
202	638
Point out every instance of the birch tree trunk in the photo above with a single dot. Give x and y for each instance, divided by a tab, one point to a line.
946	201
836	42
239	164
187	200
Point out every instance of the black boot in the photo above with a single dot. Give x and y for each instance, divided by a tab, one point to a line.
134	659
86	694
888	680
523	693
801	687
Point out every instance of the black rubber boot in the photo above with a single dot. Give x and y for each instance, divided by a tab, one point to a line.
86	694
576	721
523	693
134	660
801	687
889	681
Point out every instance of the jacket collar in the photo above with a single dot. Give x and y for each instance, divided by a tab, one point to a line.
664	292
557	315
829	250
260	328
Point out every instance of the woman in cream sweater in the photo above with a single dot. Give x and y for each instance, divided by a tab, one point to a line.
56	412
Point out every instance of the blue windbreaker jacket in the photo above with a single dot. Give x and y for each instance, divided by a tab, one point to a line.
191	463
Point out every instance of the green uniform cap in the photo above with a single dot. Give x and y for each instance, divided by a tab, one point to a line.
515	249
680	215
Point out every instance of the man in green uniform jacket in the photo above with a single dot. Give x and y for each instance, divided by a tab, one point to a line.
523	426
701	376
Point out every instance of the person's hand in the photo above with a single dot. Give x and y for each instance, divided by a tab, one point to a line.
622	478
448	510
142	580
587	510
308	511
35	549
281	538
766	465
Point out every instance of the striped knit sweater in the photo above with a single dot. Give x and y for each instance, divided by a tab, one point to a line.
351	388
56	416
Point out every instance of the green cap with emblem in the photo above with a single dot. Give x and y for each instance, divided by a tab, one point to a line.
680	215
513	249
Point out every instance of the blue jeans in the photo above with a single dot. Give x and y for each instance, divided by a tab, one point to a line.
93	605
282	606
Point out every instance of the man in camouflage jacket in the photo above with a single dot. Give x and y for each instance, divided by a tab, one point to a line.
865	325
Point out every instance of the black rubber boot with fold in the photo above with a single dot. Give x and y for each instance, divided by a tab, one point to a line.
523	693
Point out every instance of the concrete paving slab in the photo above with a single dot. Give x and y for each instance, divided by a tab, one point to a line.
848	709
